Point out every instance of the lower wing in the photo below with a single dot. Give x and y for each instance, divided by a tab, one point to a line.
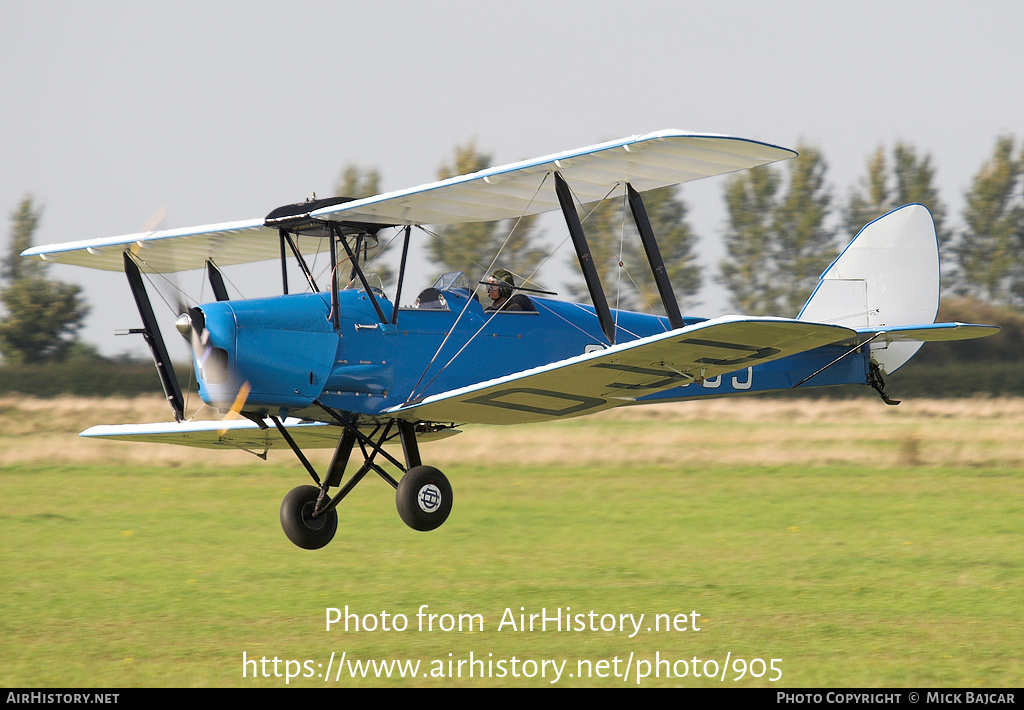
623	373
241	434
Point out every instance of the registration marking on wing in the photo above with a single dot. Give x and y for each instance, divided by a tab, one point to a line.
537	401
608	378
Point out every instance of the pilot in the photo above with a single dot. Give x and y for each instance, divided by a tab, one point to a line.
499	290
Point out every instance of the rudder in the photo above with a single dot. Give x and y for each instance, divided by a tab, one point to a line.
887	276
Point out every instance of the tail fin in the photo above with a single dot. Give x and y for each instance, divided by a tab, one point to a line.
887	277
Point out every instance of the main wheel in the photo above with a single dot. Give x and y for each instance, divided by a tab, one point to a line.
424	498
298	522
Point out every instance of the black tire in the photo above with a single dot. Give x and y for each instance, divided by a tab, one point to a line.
423	498
305	531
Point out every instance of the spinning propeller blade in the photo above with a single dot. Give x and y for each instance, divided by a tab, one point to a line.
212	365
236	406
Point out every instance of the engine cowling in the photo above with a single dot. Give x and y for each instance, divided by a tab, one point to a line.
282	347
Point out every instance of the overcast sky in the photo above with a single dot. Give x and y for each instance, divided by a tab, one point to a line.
218	111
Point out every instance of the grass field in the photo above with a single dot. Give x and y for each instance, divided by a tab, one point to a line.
856	544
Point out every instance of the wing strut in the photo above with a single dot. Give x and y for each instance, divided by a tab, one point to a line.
336	231
643	225
286	237
284	264
220	291
579	240
335	301
401	275
151	332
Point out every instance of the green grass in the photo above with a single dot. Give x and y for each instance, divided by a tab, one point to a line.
853	575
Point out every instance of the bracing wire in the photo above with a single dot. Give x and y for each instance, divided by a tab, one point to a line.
567	236
469	300
488	320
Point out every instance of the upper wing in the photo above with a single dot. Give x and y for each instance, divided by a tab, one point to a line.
172	249
608	378
647	161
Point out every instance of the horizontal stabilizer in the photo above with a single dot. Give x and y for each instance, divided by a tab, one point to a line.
930	333
608	378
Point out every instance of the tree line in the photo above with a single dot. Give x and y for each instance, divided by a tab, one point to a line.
785	224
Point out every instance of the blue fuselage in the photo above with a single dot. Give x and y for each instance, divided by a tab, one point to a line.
287	349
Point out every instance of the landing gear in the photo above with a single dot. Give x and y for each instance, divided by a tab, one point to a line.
876	381
307	530
424	498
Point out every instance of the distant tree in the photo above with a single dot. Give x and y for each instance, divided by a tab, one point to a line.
990	253
357	182
915	182
778	242
43	317
911	179
619	254
872	199
806	245
472	246
24	221
749	239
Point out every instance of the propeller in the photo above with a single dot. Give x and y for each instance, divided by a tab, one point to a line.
212	361
192	325
236	406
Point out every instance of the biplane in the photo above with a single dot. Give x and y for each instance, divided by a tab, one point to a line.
353	368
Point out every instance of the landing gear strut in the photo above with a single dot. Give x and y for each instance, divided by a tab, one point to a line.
423	497
876	381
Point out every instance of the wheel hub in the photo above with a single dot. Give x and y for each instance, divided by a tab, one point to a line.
309	521
429	498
